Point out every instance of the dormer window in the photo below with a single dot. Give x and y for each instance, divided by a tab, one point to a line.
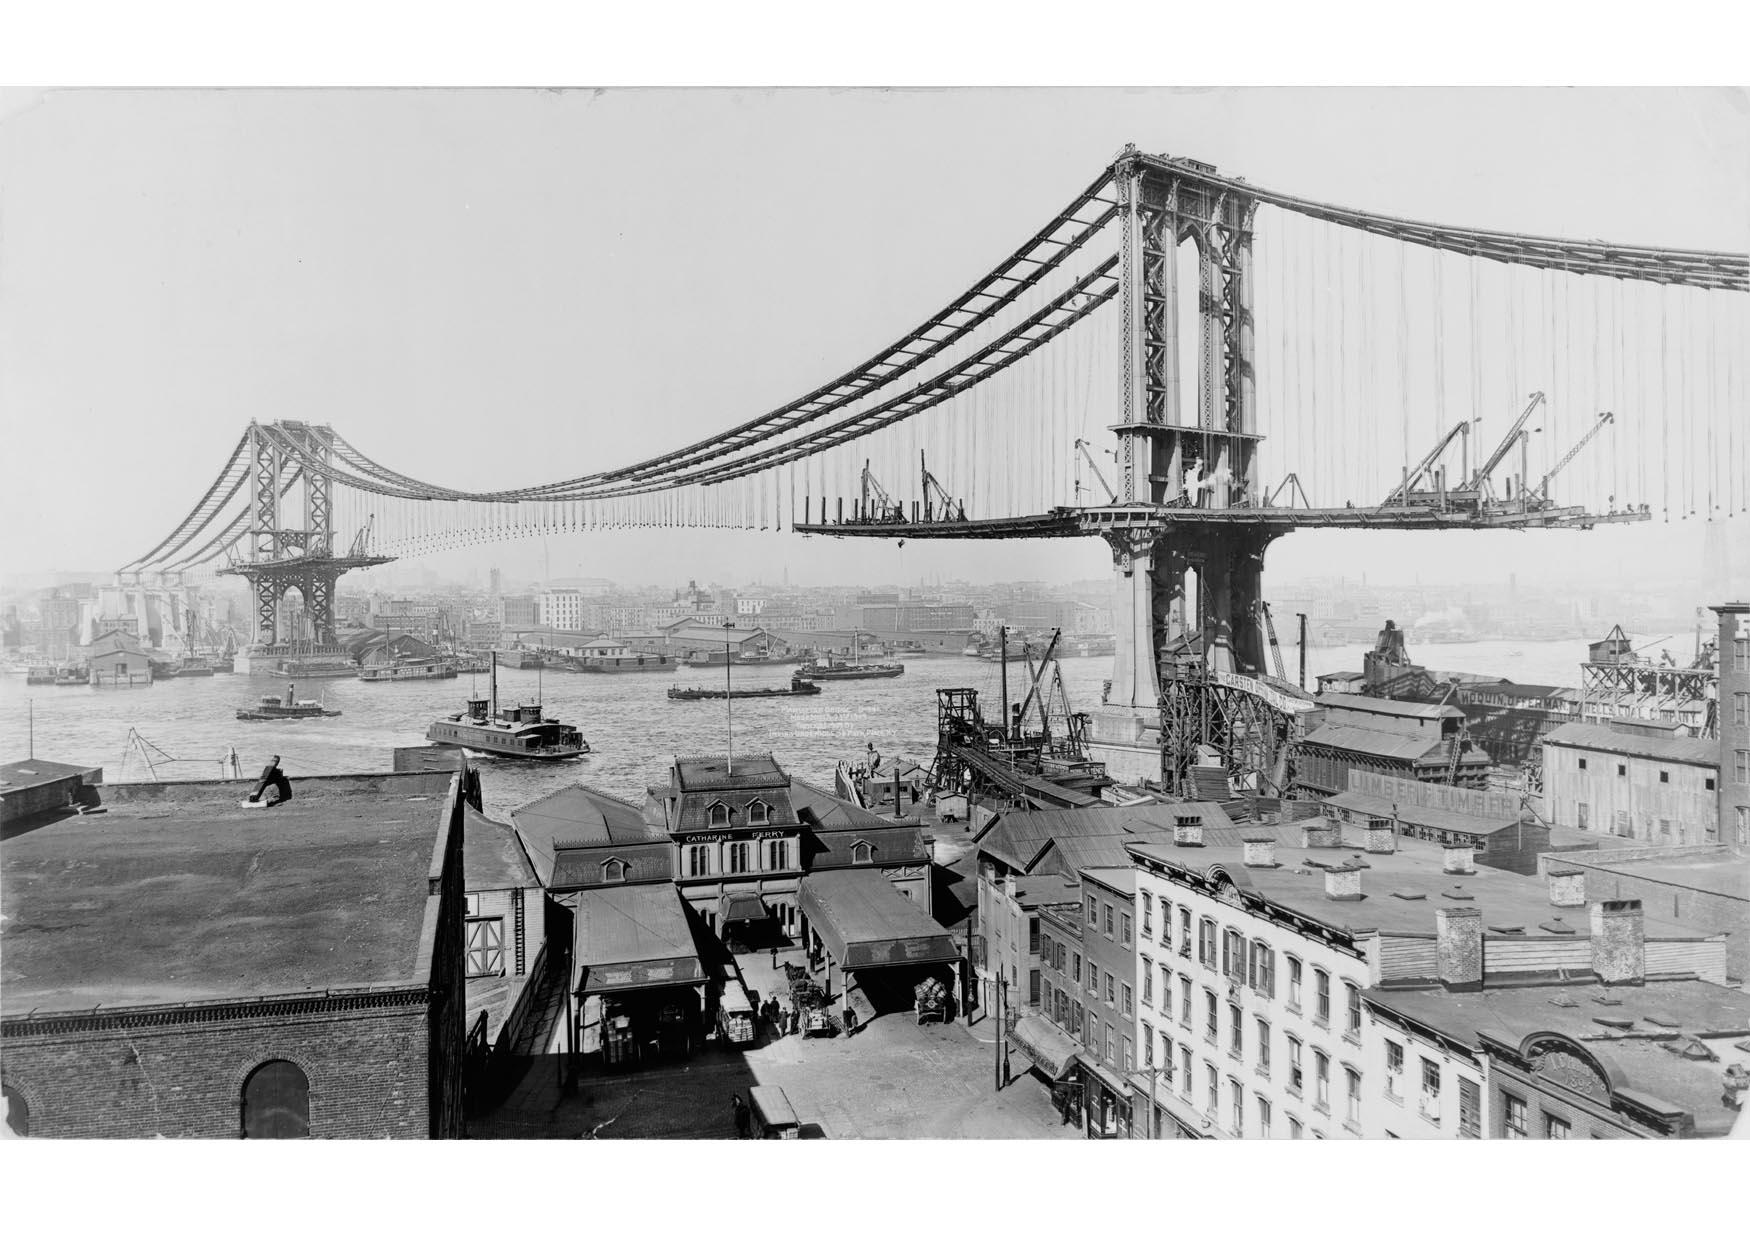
862	852
613	871
758	813
718	814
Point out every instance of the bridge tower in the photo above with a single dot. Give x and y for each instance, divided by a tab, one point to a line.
281	558
1195	463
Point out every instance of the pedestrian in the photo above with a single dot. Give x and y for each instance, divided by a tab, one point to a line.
738	1109
850	1020
795	1019
774	956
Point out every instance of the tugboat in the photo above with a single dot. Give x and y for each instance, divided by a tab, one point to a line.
837	669
798	687
287	707
514	732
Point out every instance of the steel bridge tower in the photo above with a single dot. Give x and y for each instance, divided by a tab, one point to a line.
282	558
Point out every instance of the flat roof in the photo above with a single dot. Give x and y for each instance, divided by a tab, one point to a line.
1718	873
1636	744
1423	815
184	897
1121	879
1401	890
34	772
716	772
864	920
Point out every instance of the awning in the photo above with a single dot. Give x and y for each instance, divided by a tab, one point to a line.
744	906
630	938
1105	1076
864	920
1051	1050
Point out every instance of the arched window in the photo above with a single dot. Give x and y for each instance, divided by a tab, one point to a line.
17	1112
862	853
276	1101
719	813
758	813
614	871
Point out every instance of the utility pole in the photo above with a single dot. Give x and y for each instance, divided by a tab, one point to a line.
1301	616
1003	646
728	699
1001	1042
31	703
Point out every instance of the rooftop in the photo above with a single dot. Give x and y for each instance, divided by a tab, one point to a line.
182	897
1636	744
1405	747
864	920
1121	879
1387	706
1717	872
1401	890
823	811
33	772
492	858
1423	815
713	772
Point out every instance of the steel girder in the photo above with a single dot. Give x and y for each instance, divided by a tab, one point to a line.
1252	736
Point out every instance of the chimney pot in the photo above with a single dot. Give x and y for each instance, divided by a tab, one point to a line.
1458	859
1380	836
1567	887
1619	942
1343	883
1459	947
1260	851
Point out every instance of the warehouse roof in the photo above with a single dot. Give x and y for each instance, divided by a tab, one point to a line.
1636	744
864	920
1387	706
1405	747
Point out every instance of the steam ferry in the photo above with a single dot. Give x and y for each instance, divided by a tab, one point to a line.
512	732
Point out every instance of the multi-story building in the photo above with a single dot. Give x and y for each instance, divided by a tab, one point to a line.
1110	1008
1622	782
1411	740
563	609
519	611
1256	1014
1733	812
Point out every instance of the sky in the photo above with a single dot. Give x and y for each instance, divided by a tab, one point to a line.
499	288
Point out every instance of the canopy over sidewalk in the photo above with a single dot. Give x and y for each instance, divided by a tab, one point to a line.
1050	1049
630	938
865	921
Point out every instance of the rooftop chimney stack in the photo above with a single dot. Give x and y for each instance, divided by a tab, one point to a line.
1619	942
1343	882
1188	831
1458	859
1260	851
1009	886
1320	833
1567	887
1380	837
1459	947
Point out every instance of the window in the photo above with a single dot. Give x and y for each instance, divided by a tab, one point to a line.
1622	768
740	857
1263	1046
1741	710
276	1102
1235	1031
1093	913
759	813
1211	1018
1108	1056
1353	995
1665	828
1394	1071
1206	943
862	853
1555	1129
1582	764
1233	1087
719	814
613	871
1513	1119
1294	1129
1741	654
698	860
1431	1090
485	946
1741	765
1111	988
1185	1002
1107	909
1582	815
1184	931
1233	956
1148	982
1321	997
1214	1088
1664	777
1293	984
1125	1063
777	854
1185	1077
1295	1080
1033	986
1321	1081
1470	1109
1148	1045
1075	967
1094	978
1263	969
1033	935
1352	1107
1263	1115
1124	928
1124	1001
1148	916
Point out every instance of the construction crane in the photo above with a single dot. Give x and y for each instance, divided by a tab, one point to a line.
1275	648
878	505
1403	492
938	504
361	543
1542	491
1111	495
1479	482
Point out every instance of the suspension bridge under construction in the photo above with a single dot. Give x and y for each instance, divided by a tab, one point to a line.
1246	363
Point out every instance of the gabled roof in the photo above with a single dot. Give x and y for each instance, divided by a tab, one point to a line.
1398	745
581	817
492	856
1387	706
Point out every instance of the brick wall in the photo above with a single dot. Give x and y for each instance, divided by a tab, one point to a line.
367	1070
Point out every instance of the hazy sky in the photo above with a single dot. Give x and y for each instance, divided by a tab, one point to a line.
499	288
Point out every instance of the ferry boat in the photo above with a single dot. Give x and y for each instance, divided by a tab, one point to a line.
409	669
274	707
798	687
513	732
56	676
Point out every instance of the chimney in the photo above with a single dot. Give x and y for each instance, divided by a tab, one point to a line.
1009	886
1188	831
1459	947
1320	833
1567	887
1343	882
1458	859
1379	836
1619	942
1260	851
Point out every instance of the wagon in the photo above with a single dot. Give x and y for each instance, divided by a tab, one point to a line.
735	1014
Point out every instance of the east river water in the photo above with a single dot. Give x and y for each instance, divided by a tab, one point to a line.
634	730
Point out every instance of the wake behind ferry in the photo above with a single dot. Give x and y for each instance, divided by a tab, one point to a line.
513	732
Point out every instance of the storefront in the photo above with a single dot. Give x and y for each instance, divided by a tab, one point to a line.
639	990
1037	1044
1107	1103
883	948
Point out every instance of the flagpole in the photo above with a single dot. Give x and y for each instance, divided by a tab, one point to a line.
728	698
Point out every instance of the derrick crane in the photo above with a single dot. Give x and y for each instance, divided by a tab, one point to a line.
1406	489
1111	495
1542	491
361	542
1275	647
1479	482
938	504
877	504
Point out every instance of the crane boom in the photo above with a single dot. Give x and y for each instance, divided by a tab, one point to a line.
1604	420
1275	648
1500	453
1111	495
883	509
1401	493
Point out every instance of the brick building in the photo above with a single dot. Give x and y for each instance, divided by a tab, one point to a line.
220	972
1733	813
